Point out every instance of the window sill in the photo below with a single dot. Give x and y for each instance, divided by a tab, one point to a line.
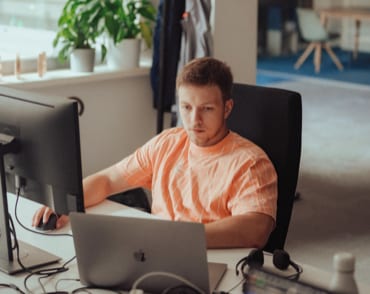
68	77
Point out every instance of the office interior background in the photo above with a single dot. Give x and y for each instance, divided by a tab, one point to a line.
331	214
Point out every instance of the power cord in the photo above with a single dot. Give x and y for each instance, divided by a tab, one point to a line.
188	284
180	289
87	288
30	230
234	287
46	273
43	273
64	280
84	289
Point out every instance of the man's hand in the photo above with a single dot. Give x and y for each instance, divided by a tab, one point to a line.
44	214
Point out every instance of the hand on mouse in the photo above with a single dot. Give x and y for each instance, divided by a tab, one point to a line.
44	213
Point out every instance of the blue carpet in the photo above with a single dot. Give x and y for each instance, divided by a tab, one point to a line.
264	79
355	71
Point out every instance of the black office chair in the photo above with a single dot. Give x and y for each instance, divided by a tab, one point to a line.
272	118
136	198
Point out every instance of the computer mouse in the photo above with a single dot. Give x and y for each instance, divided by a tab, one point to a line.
51	224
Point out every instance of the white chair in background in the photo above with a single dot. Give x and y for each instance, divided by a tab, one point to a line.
313	32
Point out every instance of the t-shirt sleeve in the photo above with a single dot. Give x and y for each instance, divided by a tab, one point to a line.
139	168
255	189
136	169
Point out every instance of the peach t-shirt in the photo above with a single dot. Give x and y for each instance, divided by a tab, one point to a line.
202	184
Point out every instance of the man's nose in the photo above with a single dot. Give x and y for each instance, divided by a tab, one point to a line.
196	115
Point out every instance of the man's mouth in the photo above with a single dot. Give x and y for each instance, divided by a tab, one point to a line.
197	130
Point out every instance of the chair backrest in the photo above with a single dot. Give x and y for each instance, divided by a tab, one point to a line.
310	26
272	118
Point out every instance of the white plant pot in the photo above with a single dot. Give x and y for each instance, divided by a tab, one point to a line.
83	60
124	55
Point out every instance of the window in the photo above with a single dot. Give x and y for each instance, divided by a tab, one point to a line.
27	28
39	14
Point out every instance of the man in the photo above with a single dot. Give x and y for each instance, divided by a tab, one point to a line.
201	172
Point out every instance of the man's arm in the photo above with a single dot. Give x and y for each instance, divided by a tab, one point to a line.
250	230
96	187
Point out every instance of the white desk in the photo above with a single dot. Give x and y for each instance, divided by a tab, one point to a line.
63	247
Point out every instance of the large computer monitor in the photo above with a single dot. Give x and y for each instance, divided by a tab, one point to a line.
40	151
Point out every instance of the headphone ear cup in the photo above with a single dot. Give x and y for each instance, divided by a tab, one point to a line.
256	258
281	259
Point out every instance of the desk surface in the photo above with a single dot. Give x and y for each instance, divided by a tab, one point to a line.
63	246
356	14
346	12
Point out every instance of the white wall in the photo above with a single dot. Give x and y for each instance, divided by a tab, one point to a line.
118	116
234	27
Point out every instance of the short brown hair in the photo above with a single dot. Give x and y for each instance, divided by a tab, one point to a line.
207	71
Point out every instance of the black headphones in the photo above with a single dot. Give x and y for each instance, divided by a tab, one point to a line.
280	259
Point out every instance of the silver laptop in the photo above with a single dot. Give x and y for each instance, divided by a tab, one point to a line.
114	252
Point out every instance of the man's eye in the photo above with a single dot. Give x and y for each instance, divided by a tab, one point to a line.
186	107
208	108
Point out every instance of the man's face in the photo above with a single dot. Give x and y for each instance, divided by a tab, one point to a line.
204	113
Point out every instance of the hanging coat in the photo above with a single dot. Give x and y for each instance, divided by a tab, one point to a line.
166	50
196	40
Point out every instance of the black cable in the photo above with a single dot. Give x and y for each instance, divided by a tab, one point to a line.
12	231
16	244
181	289
236	285
46	273
82	289
12	286
33	231
43	273
299	271
87	288
63	280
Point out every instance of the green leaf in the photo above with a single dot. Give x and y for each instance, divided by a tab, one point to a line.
148	12
104	52
146	33
83	21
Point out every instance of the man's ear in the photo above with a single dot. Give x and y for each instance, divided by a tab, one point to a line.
229	103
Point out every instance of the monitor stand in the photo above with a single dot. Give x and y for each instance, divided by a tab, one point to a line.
29	256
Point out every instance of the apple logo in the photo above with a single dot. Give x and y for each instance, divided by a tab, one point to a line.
140	255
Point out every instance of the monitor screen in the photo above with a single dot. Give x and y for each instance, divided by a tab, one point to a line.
40	151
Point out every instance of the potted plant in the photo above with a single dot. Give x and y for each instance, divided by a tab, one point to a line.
126	23
80	24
